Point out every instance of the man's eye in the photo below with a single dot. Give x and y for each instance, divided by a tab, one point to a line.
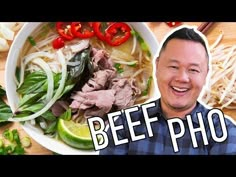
194	70
173	67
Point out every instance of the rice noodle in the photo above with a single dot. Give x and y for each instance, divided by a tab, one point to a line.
29	58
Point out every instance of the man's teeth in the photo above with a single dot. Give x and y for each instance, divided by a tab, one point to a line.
180	89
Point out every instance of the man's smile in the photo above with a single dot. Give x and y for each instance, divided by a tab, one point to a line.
179	91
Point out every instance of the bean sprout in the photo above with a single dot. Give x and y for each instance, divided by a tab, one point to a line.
221	89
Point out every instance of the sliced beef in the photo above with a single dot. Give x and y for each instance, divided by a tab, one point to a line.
125	95
101	60
135	89
102	99
94	112
100	80
102	93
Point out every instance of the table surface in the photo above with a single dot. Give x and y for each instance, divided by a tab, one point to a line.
159	29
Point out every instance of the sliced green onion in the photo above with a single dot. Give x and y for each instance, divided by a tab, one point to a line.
32	41
26	142
8	135
16	136
119	68
66	115
145	92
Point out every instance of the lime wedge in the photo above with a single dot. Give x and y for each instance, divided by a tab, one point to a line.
75	134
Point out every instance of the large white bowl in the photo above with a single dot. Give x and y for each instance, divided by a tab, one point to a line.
36	134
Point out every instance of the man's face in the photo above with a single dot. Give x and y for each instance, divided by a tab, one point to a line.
181	73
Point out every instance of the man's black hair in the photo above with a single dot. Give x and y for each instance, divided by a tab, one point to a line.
186	34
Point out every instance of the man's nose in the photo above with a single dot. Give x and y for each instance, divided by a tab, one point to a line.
182	76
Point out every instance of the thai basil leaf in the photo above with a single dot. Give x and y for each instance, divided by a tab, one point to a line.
32	82
84	66
5	111
56	78
33	108
66	115
2	92
52	127
30	99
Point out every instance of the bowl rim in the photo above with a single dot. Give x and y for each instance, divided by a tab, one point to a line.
51	143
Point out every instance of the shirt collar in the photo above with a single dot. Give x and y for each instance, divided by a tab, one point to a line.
199	108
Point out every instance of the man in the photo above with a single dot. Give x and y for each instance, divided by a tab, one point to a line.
181	72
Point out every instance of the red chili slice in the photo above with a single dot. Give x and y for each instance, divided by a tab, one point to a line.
117	33
82	29
64	29
173	24
100	29
58	43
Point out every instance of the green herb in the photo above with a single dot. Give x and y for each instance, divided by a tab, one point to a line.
32	41
149	81
33	90
133	65
2	92
119	68
12	144
18	150
84	68
32	108
66	115
32	82
5	111
25	141
52	24
51	128
8	135
29	99
18	74
16	137
141	41
1	143
81	73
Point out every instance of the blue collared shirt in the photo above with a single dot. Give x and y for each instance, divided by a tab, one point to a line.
161	144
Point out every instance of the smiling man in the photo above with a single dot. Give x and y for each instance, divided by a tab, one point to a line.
182	68
181	71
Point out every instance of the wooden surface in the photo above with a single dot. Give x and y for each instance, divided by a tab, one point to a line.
159	29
